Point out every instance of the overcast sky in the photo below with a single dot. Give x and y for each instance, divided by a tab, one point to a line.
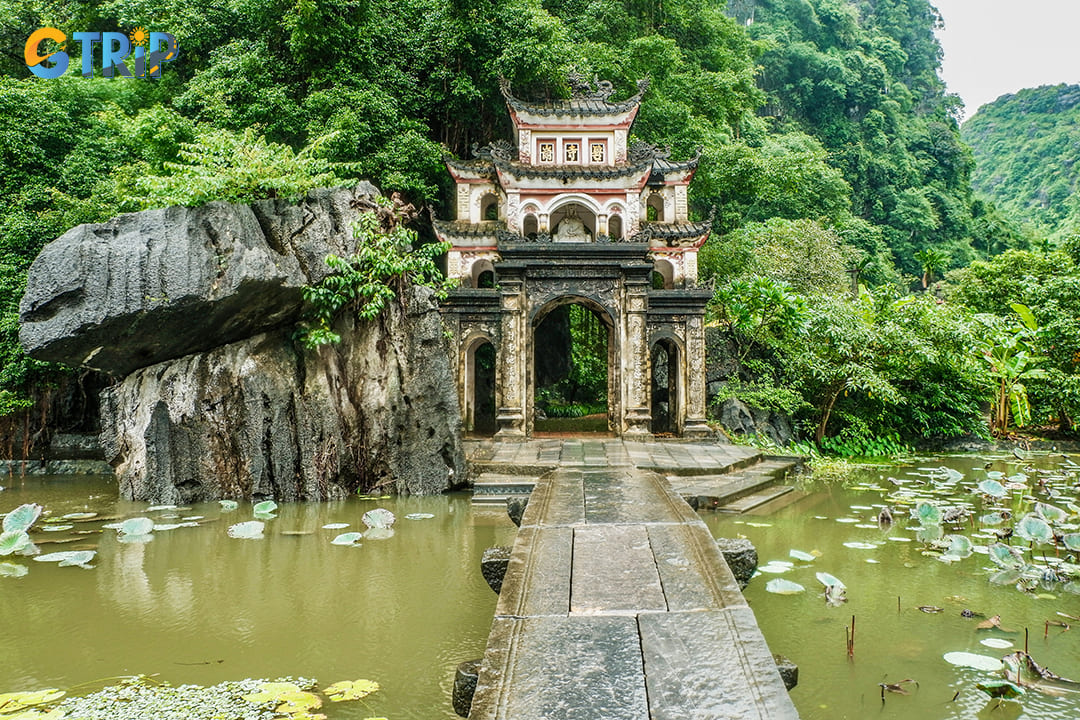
993	47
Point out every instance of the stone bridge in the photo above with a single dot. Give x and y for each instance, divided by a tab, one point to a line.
617	604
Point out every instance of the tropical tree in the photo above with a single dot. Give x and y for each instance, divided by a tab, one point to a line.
1011	360
933	261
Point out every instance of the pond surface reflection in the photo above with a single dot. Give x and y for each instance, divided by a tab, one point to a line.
884	567
196	606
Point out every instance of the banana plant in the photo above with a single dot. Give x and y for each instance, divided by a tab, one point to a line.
1011	361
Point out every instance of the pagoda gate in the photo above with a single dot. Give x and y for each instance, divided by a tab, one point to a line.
574	213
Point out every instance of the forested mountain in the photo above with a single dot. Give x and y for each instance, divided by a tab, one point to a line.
1027	153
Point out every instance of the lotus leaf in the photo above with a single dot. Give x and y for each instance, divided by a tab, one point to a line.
1000	689
56	528
293	703
1006	577
378	518
250	530
228	505
1034	529
928	514
335	526
78	557
137	526
12	542
22	518
830	580
973	660
155	508
860	545
992	488
800	555
351	690
959	546
272	691
349	538
996	643
9	569
1005	556
80	516
265	507
1072	541
12	702
419	516
780	586
1050	513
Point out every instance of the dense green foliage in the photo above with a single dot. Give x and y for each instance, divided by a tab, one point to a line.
831	157
1027	156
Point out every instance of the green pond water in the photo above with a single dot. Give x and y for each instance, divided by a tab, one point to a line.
886	564
196	606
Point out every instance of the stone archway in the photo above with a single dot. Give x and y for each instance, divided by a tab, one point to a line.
551	339
479	391
666	386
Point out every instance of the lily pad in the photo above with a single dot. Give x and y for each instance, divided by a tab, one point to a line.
55	528
228	505
250	530
68	558
992	488
1072	541
800	555
1050	513
351	690
349	538
22	518
1006	556
830	580
265	507
272	692
996	643
1034	529
155	508
419	516
959	546
928	514
378	518
137	526
13	542
335	526
780	586
974	660
80	516
860	545
13	570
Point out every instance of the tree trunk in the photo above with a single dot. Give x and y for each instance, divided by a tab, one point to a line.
826	411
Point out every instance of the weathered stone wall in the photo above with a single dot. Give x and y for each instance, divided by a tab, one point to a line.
195	310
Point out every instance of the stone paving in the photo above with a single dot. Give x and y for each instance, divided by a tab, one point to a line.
617	603
670	456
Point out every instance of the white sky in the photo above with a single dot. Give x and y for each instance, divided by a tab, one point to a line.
993	47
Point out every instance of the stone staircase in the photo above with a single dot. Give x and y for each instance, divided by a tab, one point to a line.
759	487
721	478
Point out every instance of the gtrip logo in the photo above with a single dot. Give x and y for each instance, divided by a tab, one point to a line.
139	54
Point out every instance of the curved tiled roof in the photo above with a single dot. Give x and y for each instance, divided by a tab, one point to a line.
595	105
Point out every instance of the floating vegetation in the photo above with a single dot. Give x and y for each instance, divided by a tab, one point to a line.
349	538
265	509
378	518
780	586
13	570
419	516
22	518
335	526
974	660
250	530
804	556
228	505
137	526
80	558
351	690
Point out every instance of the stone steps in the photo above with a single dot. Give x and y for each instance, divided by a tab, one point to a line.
741	490
491	488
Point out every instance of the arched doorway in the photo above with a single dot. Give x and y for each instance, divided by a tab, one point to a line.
572	381
664	387
480	388
576	214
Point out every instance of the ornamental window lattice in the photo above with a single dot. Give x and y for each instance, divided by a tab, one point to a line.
596	152
571	152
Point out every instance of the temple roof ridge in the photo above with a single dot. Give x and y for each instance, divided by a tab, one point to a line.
586	98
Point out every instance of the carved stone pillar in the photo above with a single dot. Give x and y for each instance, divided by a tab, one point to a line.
695	425
511	385
637	416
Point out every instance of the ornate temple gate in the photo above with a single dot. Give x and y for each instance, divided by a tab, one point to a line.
573	215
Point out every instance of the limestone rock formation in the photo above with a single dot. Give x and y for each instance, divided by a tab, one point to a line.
263	418
195	309
160	284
